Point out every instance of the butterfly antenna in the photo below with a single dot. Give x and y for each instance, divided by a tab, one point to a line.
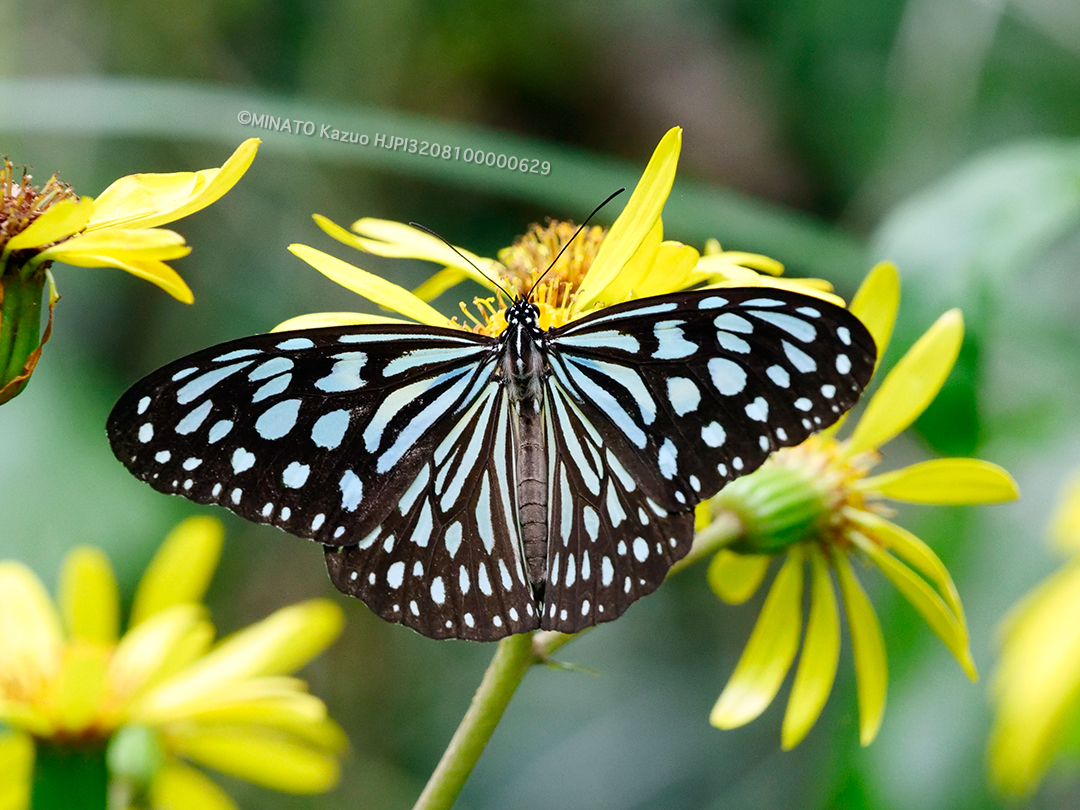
570	241
427	230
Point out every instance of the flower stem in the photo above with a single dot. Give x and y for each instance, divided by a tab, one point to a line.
20	328
69	778
504	674
512	660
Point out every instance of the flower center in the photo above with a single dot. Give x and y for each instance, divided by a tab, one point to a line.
21	203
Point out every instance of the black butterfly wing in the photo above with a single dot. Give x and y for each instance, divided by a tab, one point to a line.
609	543
461	573
692	390
656	404
296	429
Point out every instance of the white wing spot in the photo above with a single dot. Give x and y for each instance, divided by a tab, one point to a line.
683	394
497	621
236	355
571	570
586	569
329	429
453	538
504	577
352	490
713	434
285	513
592	522
189	483
162	456
345	375
758	410
727	375
781	434
585	607
293	344
482	581
731	322
732	343
187	372
641	549
395	575
191	463
513	614
626	585
277	420
236	495
144	403
318	521
737	463
763	443
216	490
842	332
714	302
796	327
242	460
695	482
672	345
267	510
562	615
468	617
779	376
621	548
803	404
271	368
438	591
146	432
414	608
843	363
800	359
295	475
272	388
828	391
667	459
219	430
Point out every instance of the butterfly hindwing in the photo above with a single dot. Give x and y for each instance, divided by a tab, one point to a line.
692	390
298	429
609	543
446	560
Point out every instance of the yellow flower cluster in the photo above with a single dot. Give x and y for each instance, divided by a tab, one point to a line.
67	676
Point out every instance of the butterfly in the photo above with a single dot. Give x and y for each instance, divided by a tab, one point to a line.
472	487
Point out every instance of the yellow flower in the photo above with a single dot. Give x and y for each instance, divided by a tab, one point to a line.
1036	687
118	229
599	268
162	695
817	503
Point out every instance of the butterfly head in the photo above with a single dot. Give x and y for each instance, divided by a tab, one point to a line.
523	314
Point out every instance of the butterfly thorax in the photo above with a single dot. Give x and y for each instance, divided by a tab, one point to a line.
523	366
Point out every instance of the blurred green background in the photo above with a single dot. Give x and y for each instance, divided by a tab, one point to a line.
941	134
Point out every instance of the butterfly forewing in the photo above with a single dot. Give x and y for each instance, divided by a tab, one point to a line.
692	390
299	429
446	560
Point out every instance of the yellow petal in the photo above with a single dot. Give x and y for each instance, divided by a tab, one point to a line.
636	221
922	597
156	272
148	200
279	644
372	287
16	770
911	386
1036	685
769	652
30	636
877	302
320	320
80	688
951	481
913	551
868	648
273	760
672	269
1065	530
181	569
89	597
160	646
440	282
384	237
179	787
58	222
137	243
736	577
820	655
636	269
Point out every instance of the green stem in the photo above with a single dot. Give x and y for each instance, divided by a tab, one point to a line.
20	322
69	778
507	669
512	660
